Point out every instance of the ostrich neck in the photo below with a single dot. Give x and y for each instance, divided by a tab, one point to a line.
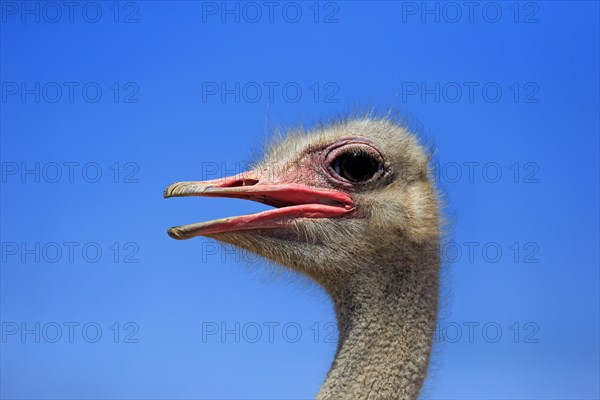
386	319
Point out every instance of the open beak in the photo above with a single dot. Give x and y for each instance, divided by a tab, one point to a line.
292	201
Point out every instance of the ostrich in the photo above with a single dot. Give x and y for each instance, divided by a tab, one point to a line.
357	212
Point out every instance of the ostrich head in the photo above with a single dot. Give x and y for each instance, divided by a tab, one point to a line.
356	211
349	194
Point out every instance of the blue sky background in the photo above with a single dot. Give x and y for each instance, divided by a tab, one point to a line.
532	117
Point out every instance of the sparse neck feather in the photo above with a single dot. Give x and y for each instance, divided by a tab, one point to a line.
386	321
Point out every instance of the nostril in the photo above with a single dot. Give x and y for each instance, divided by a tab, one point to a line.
250	182
241	182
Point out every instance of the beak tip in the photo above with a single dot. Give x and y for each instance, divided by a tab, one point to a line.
179	189
169	190
175	233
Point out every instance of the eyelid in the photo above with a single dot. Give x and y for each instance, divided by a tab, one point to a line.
357	150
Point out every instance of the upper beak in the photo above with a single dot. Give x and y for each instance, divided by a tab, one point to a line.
293	201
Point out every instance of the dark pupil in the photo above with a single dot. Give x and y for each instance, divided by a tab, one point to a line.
355	167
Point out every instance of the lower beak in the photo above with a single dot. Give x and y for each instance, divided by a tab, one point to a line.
293	201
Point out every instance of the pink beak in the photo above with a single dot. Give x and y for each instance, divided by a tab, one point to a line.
293	201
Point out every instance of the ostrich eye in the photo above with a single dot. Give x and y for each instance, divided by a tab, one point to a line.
355	166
